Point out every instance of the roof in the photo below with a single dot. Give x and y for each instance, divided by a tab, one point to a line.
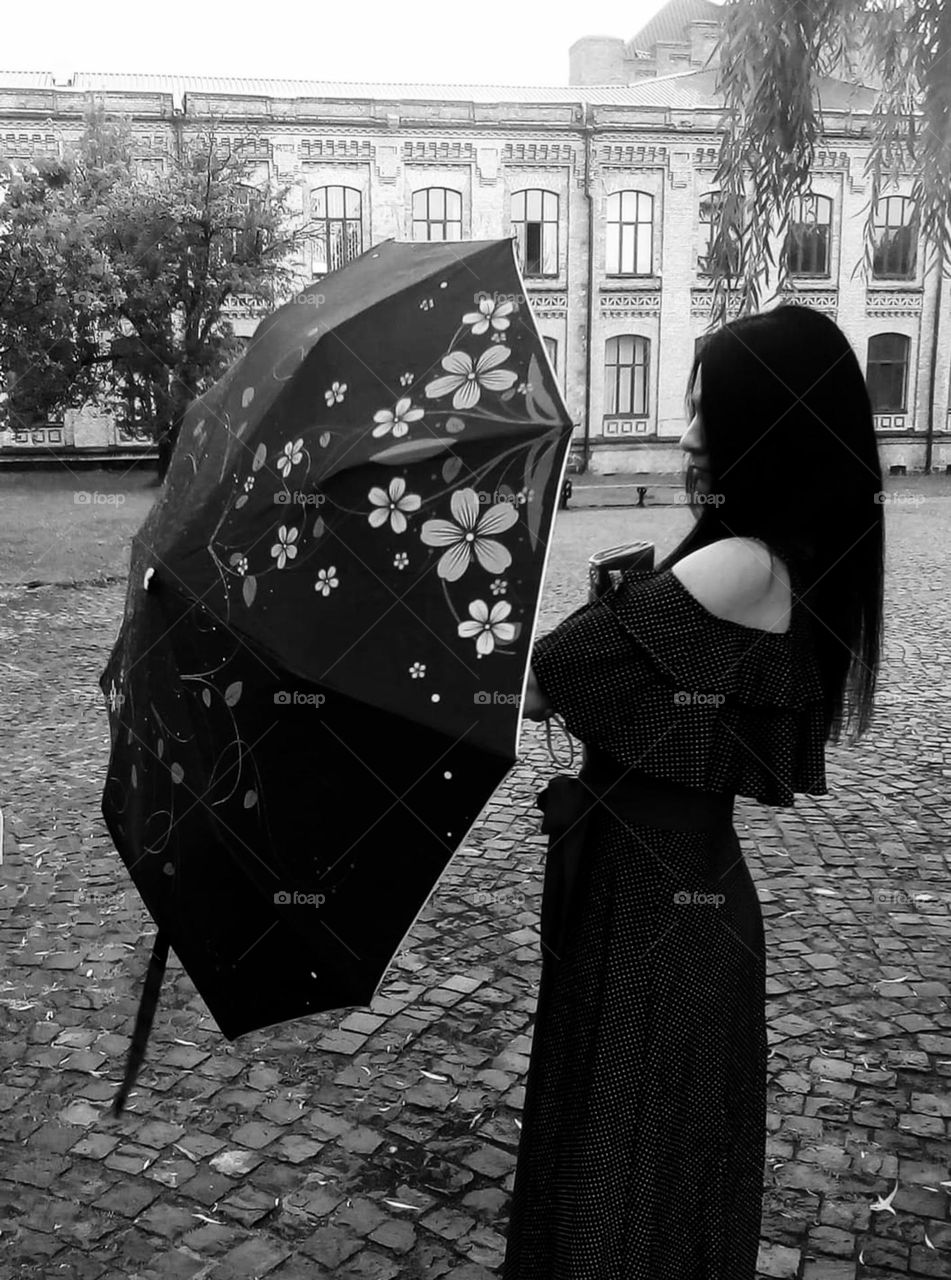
684	90
26	80
133	82
672	21
697	90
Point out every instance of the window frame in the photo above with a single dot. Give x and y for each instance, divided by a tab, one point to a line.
612	393
614	232
818	199
521	224
427	220
703	268
348	222
906	203
904	364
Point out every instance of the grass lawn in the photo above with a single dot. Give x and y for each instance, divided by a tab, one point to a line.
63	526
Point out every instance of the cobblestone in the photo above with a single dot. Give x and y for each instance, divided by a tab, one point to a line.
326	1148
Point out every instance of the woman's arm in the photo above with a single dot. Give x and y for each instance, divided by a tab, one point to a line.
537	706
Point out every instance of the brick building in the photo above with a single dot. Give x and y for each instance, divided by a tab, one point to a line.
606	184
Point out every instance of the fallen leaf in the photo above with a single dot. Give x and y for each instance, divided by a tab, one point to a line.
886	1203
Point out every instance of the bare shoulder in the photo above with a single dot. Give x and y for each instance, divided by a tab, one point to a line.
735	580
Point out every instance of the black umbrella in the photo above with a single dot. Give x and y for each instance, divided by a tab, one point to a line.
315	689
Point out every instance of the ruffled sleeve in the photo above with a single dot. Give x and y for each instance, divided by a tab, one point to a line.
650	676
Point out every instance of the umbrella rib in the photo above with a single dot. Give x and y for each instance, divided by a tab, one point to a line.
398	799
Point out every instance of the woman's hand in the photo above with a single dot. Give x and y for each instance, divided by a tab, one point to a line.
537	706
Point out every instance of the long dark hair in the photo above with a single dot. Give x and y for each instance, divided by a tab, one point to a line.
790	441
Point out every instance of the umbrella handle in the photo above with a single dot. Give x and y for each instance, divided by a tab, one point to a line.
143	1019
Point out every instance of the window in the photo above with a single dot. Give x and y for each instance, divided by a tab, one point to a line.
625	375
807	240
437	214
338	235
887	375
239	237
535	226
709	203
551	346
630	233
896	239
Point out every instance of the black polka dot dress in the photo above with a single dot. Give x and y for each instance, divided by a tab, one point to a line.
644	1124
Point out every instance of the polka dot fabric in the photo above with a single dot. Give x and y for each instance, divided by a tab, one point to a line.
644	1124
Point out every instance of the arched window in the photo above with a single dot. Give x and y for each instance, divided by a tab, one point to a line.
437	214
535	227
887	372
337	227
626	362
807	240
707	216
630	234
896	238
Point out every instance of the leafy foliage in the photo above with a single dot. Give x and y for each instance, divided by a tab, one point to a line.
114	279
772	57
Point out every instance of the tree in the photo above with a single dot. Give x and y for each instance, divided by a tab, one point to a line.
51	294
135	269
772	54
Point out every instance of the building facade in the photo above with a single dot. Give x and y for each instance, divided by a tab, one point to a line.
608	190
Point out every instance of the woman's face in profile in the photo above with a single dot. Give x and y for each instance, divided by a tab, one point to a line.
692	441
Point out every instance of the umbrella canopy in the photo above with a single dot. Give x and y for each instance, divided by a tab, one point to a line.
316	685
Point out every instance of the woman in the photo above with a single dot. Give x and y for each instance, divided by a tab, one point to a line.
722	673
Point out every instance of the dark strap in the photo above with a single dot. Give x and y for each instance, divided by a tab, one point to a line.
143	1019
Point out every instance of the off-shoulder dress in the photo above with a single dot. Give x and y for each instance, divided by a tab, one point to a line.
644	1122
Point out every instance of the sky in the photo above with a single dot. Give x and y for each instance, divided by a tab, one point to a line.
428	41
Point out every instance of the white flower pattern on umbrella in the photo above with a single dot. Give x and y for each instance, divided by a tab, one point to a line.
392	505
491	313
336	393
467	381
418	670
284	549
115	697
396	420
326	580
400	560
468	534
488	625
289	456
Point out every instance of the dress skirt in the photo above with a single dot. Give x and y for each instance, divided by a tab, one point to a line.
644	1123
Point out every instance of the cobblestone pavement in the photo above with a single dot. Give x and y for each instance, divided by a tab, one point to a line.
382	1143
